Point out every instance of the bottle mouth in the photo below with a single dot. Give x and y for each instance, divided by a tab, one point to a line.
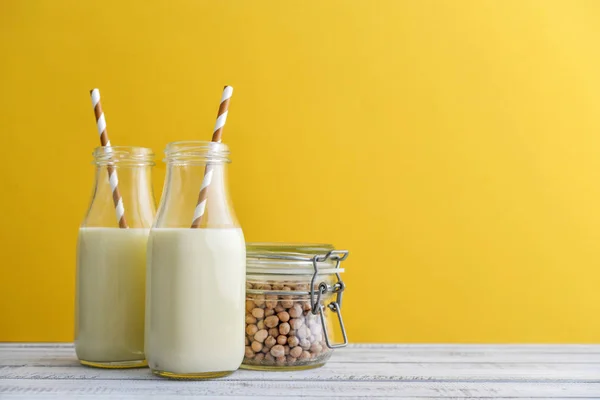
196	152
123	156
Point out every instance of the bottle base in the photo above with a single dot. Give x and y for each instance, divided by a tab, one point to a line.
115	364
283	368
192	376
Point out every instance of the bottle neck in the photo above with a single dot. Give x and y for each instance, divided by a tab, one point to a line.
196	194
133	181
127	170
122	197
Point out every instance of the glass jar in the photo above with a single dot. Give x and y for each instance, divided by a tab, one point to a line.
293	301
196	269
111	260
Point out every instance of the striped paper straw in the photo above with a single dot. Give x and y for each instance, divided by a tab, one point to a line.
112	173
208	172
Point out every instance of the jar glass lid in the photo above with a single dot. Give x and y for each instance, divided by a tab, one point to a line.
292	258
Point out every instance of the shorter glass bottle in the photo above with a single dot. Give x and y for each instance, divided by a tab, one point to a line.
196	275
293	304
111	260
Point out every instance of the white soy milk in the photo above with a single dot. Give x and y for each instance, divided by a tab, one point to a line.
195	300
111	269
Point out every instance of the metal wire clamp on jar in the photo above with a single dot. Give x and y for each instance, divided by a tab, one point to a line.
290	290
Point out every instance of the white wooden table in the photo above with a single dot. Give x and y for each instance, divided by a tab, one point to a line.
377	371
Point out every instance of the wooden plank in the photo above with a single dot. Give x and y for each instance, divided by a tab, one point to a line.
399	348
66	357
287	389
368	355
348	371
432	350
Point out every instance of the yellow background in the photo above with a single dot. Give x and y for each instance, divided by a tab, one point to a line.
452	146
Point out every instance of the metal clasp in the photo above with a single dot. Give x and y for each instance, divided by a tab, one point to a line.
334	306
338	287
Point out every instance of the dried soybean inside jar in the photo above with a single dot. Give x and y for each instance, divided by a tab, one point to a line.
293	305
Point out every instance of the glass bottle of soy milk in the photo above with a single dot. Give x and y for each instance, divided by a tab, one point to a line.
111	260
195	292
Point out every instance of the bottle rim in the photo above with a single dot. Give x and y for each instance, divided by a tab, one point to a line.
190	152
123	156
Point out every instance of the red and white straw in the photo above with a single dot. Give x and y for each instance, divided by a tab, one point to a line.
112	173
208	172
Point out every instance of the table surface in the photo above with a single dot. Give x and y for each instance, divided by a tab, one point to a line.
37	370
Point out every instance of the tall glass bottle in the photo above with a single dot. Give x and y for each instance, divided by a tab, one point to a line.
196	275
111	260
